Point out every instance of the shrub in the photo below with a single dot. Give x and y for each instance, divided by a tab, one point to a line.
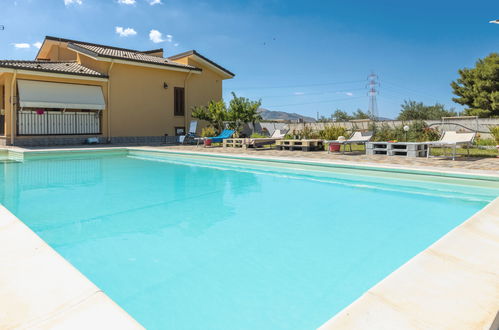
494	130
306	133
418	132
208	132
257	135
385	133
484	142
332	132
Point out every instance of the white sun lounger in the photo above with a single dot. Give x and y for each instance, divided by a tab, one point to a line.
357	137
453	139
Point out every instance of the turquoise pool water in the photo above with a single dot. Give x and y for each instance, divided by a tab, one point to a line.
185	242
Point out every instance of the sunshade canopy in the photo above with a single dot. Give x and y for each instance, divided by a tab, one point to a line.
40	94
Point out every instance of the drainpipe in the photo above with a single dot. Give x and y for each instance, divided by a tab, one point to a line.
109	101
12	110
185	98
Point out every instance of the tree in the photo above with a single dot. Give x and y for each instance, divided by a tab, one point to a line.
359	114
478	87
215	113
412	110
340	115
241	111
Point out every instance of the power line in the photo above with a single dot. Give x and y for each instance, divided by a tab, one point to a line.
409	90
317	102
317	93
295	86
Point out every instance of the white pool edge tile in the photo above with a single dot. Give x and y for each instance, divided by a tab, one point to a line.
453	284
40	289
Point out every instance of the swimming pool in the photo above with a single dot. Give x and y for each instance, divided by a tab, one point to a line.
183	242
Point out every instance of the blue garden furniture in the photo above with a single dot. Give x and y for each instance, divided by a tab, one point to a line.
226	133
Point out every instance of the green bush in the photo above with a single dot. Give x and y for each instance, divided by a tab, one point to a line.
494	130
208	132
386	133
332	132
418	132
257	135
479	141
306	133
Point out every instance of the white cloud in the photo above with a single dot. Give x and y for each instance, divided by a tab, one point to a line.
169	38
345	93
298	93
37	44
22	45
155	2
127	2
73	2
125	32
156	36
175	44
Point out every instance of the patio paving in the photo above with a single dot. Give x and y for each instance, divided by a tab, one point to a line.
461	163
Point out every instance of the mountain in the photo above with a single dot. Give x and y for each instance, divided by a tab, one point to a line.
282	115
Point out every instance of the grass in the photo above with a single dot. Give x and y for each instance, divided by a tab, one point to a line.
474	152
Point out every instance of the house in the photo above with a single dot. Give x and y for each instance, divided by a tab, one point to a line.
74	90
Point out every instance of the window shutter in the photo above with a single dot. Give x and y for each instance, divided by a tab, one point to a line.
179	101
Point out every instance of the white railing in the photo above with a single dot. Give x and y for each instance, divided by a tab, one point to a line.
57	123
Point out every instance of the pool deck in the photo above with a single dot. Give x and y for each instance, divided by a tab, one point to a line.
454	284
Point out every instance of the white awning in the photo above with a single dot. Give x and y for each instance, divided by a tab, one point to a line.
40	94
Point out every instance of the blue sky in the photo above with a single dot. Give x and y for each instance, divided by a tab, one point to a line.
297	56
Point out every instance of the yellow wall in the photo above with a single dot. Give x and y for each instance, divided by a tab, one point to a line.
99	66
61	53
138	105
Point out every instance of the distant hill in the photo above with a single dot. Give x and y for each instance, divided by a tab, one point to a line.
282	115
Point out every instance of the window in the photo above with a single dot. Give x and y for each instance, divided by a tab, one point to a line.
179	101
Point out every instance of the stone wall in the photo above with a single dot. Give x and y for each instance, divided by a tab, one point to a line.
481	125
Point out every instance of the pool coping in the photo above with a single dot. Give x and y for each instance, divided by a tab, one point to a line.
40	289
453	284
376	308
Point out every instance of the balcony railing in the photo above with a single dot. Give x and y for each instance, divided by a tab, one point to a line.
58	123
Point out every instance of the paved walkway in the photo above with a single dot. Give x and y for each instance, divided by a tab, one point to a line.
484	164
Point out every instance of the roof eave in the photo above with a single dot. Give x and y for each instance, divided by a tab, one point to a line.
193	52
14	68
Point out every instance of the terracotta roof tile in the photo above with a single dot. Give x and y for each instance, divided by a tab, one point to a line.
127	54
72	68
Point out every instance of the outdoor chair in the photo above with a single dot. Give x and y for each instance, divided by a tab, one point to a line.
226	133
452	139
357	137
191	135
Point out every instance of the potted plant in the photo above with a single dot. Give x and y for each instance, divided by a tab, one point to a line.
208	132
494	130
331	133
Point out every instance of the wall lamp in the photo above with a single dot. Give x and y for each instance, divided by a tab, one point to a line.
165	85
